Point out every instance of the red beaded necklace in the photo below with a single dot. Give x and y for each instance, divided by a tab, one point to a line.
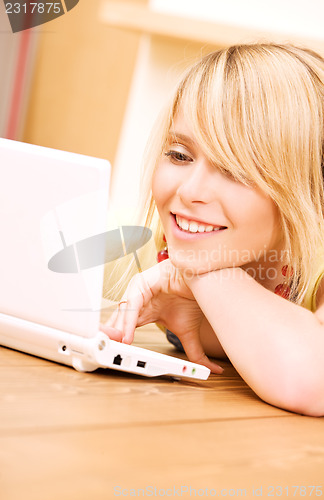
282	289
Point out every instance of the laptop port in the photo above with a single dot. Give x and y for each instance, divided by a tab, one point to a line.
141	364
117	360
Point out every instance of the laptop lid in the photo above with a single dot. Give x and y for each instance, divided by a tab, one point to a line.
50	200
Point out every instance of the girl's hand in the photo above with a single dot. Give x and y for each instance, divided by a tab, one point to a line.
160	295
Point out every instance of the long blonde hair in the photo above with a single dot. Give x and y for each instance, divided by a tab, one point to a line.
257	111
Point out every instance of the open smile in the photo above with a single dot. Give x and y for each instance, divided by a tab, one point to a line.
193	227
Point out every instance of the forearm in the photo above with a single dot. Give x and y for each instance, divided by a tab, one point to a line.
210	342
276	346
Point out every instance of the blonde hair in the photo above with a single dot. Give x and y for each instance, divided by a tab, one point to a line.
257	112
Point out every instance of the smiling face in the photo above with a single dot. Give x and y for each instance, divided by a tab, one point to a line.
211	220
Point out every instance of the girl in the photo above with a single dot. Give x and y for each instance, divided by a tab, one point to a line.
237	190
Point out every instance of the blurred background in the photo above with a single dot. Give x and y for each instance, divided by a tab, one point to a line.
94	80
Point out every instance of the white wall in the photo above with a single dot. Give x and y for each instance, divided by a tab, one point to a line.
299	17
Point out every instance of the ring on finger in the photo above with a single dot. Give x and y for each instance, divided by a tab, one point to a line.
122	302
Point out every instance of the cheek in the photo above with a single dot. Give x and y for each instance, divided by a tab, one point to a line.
162	185
266	214
252	207
261	219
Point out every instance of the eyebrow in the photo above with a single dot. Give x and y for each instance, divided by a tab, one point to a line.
181	137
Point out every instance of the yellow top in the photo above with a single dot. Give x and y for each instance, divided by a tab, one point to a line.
310	295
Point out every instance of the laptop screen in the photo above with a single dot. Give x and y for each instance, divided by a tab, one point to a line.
49	201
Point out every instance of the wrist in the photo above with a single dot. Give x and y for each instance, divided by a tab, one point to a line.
216	277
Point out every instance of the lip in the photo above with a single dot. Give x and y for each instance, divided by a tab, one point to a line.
186	235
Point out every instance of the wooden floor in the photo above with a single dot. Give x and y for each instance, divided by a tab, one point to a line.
104	435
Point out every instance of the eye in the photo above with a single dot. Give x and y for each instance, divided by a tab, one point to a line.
177	157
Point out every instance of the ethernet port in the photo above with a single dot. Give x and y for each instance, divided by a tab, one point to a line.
118	360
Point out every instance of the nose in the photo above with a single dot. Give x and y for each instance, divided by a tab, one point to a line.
197	185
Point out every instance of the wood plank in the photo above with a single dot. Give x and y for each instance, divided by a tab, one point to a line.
237	455
41	398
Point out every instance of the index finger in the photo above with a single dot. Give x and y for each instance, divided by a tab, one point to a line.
196	354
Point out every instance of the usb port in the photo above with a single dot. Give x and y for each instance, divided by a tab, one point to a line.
117	359
141	364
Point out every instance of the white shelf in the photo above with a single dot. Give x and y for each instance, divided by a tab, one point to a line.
139	18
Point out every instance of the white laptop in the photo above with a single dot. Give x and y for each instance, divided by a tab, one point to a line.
52	204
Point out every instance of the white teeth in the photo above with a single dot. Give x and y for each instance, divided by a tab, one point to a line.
184	224
194	227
